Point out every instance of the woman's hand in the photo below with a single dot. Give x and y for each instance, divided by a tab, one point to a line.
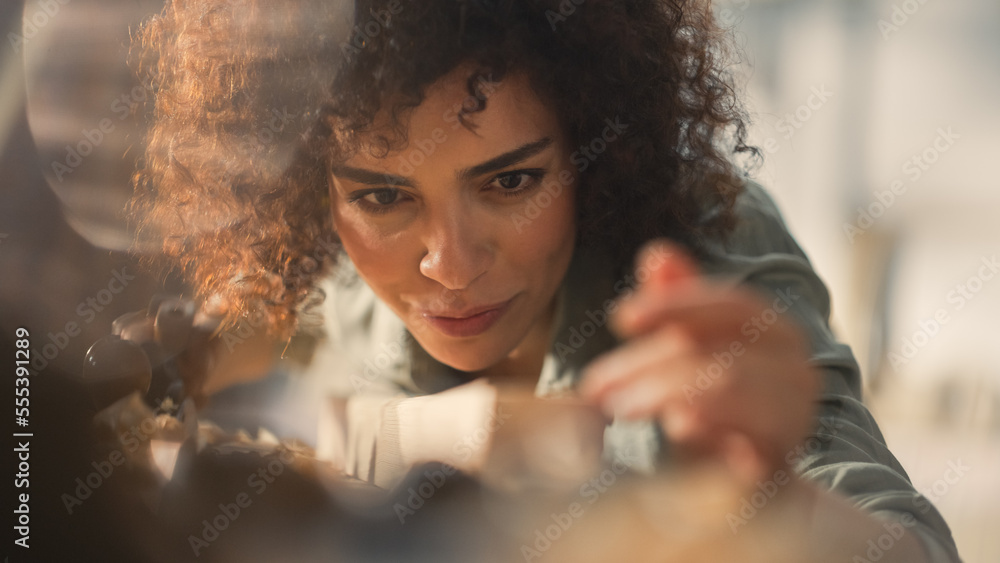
723	370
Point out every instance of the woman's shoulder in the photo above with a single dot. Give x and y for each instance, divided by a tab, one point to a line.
760	227
762	254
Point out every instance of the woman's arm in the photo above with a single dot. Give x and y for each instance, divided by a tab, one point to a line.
749	390
846	452
378	435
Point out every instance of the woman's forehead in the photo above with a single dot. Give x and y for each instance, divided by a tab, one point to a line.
513	114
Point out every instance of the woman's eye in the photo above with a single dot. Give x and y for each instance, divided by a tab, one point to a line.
510	182
379	200
385	196
518	182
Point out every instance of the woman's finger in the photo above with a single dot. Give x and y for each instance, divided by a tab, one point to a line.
665	266
645	395
745	459
633	358
733	404
644	313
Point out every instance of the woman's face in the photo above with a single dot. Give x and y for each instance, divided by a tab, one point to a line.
466	236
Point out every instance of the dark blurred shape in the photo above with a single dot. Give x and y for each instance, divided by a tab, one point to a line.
114	368
172	326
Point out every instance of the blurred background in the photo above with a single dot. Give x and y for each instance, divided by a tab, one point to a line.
877	119
879	125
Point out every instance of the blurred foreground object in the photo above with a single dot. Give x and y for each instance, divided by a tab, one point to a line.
206	494
215	496
171	351
89	112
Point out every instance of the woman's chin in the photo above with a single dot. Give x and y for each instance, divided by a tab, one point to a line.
467	364
470	361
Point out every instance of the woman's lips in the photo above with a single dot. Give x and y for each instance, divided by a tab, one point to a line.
472	325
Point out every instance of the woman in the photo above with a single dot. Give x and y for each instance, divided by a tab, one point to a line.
492	172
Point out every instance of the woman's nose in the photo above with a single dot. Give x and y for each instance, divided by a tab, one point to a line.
458	249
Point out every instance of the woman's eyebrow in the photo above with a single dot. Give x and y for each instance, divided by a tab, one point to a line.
370	176
506	159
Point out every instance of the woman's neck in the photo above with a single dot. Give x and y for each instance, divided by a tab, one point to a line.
523	366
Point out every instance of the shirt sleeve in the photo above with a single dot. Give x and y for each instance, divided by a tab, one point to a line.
379	437
846	452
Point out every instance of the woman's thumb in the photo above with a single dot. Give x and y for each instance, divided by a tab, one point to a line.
664	265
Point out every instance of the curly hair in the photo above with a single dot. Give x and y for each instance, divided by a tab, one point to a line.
247	221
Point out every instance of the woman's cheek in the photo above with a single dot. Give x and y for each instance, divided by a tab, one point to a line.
550	205
552	230
374	253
